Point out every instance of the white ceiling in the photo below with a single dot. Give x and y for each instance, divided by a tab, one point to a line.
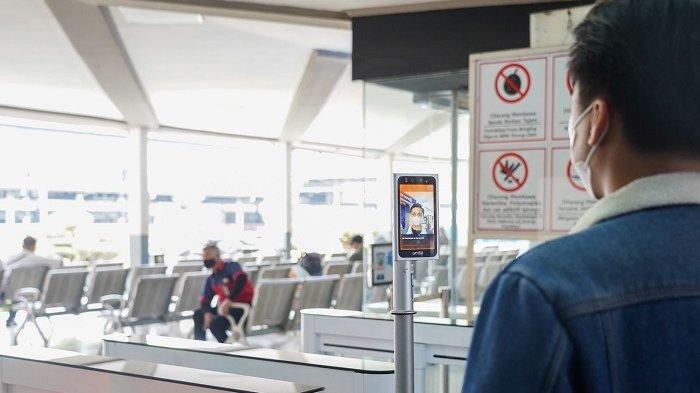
222	74
227	75
39	67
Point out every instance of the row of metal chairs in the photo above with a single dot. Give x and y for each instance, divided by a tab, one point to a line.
139	295
274	302
146	294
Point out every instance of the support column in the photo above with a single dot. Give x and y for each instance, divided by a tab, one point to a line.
452	262
139	199
288	192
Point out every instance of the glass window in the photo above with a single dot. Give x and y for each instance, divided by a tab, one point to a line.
227	190
72	199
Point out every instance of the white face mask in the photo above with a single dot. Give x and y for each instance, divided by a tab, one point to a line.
416	221
583	168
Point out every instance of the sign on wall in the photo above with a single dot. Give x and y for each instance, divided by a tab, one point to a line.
524	183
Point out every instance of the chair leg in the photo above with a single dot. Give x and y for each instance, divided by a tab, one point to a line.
15	334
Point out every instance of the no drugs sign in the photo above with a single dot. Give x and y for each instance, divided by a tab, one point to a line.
512	83
512	100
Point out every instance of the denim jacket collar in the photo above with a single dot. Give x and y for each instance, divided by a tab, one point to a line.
681	188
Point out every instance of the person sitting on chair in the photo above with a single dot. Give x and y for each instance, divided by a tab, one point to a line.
230	284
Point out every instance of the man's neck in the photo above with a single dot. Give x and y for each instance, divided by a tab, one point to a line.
630	166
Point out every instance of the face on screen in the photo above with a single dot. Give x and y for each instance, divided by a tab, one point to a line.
417	216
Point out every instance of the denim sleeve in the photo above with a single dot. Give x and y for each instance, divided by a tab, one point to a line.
519	344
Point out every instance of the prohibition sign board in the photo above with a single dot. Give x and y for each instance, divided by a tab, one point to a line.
574	178
562	89
512	100
510	172
569	199
513	82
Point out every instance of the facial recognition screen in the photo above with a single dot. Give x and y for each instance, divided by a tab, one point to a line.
382	264
417	216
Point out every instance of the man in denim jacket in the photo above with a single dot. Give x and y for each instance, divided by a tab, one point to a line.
614	306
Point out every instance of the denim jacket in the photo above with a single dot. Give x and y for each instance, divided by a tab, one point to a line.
613	307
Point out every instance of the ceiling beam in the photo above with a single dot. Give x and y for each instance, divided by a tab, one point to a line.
240	9
426	127
94	36
436	5
323	71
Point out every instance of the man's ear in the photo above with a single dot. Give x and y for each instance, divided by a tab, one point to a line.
600	120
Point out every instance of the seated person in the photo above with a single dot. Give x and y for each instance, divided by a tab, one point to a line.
25	258
229	282
311	264
356	244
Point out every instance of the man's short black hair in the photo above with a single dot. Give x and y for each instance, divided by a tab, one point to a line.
213	247
643	56
356	239
29	243
417	205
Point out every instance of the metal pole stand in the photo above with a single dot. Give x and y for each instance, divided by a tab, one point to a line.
403	325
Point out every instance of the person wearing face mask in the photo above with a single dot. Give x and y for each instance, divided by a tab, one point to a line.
416	221
229	283
613	307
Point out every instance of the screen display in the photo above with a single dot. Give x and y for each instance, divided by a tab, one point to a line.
382	263
417	216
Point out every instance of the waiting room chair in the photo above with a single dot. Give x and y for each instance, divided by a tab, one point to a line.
314	292
138	271
187	267
270	311
187	292
350	292
25	277
62	293
339	268
148	303
105	281
271	259
267	273
250	259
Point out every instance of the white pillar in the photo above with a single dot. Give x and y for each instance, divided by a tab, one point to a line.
139	198
288	193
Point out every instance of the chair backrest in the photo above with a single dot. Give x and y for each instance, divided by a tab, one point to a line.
274	272
243	260
350	292
106	264
150	297
317	292
187	267
338	255
106	281
252	273
189	290
339	268
64	288
271	258
272	303
25	277
138	271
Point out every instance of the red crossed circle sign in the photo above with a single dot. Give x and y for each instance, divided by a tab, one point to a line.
574	178
510	172
512	83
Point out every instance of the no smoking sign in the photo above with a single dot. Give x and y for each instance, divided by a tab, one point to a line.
510	172
512	83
